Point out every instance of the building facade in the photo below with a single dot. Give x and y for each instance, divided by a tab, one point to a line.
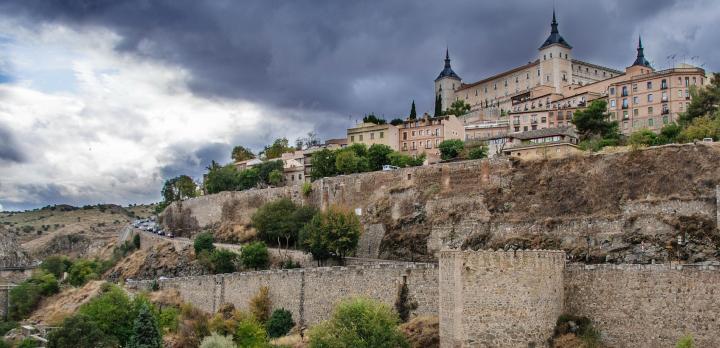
371	133
424	135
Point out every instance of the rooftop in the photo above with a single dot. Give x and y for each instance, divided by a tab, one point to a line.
555	38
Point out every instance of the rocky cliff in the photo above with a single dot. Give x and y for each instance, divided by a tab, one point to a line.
633	207
11	254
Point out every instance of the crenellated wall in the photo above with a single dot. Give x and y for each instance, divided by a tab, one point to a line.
310	294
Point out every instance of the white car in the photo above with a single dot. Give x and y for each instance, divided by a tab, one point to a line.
387	168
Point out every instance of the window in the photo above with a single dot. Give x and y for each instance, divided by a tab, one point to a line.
612	90
636	100
538	72
624	91
651	122
495	86
292	177
372	135
687	82
361	137
664	96
412	133
625	115
634	86
650	98
665	120
404	146
679	93
299	176
636	112
649	85
663	84
382	135
412	147
352	138
404	135
624	103
650	110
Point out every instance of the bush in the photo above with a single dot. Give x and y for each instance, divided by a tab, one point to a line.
57	265
82	271
255	255
136	241
260	304
477	152
279	323
217	341
112	312
360	323
203	241
79	331
451	148
280	220
27	343
643	137
6	326
4	344
168	319
250	334
275	177
25	297
333	233
223	261
685	342
306	189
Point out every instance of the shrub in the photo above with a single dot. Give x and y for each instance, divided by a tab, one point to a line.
4	344
685	342
57	265
79	331
477	152
403	306
280	220
146	332
279	323
193	326
136	241
27	343
347	162
25	297
333	233
217	341
643	137
6	326
450	148
306	189
361	323
82	271
260	304
250	334
168	319
275	177
203	241
223	261
255	255
112	312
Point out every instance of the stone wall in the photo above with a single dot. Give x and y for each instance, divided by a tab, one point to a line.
647	305
499	299
310	294
4	293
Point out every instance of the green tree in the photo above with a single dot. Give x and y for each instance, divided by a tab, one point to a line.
705	101
79	331
323	164
27	343
279	323
203	241
266	168
276	221
217	341
136	241
396	121
25	297
112	312
670	132
701	127
82	271
57	265
450	148
359	323
278	147
413	113
347	162
377	156
371	118
593	122
223	261
275	178
333	233
221	178
240	153
179	188
246	179
255	255
146	332
401	160
458	108
478	152
438	106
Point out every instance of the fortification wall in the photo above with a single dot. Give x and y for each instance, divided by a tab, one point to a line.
499	299
647	305
4	293
310	294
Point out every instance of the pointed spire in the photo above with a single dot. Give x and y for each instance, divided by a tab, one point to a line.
640	59
554	24
447	71
447	57
555	37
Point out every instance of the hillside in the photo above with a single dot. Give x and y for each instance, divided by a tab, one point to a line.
617	207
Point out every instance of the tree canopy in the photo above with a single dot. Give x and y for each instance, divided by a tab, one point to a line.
458	108
593	121
332	233
371	118
705	101
277	148
413	112
240	153
451	148
281	220
179	188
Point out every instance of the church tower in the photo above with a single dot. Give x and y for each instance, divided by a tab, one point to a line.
555	59
641	65
446	83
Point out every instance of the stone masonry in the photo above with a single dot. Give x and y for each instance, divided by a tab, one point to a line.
499	299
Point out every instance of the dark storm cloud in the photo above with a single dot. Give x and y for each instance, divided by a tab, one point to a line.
348	58
9	148
186	160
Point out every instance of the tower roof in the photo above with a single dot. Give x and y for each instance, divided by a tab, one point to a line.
447	71
555	37
640	60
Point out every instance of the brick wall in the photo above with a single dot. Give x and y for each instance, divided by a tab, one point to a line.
647	305
499	299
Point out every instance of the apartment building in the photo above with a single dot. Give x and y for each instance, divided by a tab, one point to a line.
371	133
425	134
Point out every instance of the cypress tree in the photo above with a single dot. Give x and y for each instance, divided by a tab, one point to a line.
413	113
146	333
438	106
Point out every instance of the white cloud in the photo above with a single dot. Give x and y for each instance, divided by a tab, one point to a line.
105	133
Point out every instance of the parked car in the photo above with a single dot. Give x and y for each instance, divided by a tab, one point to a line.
387	167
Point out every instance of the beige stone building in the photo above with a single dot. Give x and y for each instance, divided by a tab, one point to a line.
371	133
547	143
549	90
423	135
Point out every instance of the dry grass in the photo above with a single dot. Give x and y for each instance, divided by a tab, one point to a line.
422	332
54	309
292	341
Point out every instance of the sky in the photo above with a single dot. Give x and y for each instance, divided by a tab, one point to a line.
102	101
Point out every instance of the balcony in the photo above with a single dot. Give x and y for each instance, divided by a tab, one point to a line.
624	94
624	107
516	122
664	99
665	112
664	86
581	104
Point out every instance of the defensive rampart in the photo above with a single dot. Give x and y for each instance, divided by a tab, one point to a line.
498	298
310	294
647	306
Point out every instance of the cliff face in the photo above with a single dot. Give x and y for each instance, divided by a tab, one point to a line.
11	254
654	204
